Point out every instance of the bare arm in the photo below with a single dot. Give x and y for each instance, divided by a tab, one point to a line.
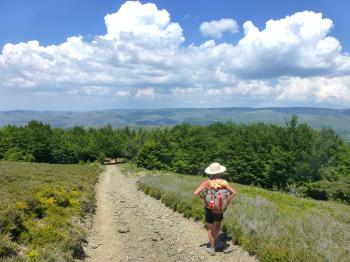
232	190
200	188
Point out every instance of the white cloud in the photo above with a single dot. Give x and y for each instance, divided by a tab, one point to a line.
123	93
295	45
74	48
252	87
143	22
215	91
319	89
216	28
144	48
186	91
145	93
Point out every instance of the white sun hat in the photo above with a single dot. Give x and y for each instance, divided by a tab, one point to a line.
215	168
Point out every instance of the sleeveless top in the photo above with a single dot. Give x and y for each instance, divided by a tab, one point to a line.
217	183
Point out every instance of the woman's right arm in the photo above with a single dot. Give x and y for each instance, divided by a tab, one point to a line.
200	188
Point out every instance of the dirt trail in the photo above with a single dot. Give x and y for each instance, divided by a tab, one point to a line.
131	226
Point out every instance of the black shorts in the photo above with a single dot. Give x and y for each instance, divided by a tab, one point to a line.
210	217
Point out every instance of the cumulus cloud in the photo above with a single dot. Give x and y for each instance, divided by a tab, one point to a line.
143	22
143	56
216	28
297	45
319	89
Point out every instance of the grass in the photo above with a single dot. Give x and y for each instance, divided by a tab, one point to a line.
41	210
273	225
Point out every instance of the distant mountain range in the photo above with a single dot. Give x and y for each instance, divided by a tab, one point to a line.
338	119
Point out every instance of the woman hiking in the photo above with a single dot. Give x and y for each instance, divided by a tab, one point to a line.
214	207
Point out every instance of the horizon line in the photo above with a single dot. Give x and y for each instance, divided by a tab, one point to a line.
167	108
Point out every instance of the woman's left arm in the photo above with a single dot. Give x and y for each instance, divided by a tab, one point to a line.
232	190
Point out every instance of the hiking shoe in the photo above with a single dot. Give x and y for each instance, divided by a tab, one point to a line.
211	251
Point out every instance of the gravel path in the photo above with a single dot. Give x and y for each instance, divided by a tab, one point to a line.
131	226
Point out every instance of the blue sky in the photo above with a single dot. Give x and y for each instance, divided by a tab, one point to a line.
72	55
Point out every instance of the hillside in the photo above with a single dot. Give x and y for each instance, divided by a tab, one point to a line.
41	210
338	119
272	225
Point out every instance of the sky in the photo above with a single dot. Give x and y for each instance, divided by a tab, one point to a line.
107	54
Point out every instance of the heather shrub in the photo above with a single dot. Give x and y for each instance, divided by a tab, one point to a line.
41	206
7	247
275	226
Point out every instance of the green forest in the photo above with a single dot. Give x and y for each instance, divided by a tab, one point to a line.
294	157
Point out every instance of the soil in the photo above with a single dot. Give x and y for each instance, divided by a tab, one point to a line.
131	226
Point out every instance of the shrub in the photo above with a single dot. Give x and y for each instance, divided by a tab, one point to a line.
325	190
40	207
273	225
12	222
16	154
319	190
7	247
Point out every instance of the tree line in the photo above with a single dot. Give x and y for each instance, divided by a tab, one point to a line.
293	157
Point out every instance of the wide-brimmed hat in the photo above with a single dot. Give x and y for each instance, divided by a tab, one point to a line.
215	168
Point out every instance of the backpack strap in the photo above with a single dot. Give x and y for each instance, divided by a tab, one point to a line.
220	201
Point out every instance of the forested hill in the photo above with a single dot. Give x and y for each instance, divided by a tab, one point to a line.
291	157
338	119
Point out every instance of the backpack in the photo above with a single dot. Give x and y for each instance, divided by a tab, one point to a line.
217	199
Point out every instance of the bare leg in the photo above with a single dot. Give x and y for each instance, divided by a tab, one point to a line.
217	229
211	234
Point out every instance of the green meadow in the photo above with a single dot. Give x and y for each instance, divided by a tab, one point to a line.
274	226
42	207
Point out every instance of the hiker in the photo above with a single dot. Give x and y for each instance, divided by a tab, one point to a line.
213	214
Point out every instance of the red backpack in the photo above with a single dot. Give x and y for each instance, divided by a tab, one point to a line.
217	199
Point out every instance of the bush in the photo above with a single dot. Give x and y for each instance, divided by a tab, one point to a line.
320	190
12	222
325	190
7	247
40	208
16	154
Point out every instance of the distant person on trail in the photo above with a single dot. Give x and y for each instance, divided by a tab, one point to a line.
217	194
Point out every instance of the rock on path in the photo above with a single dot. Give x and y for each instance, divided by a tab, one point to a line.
131	226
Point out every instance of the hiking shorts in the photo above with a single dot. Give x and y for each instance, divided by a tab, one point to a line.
210	217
